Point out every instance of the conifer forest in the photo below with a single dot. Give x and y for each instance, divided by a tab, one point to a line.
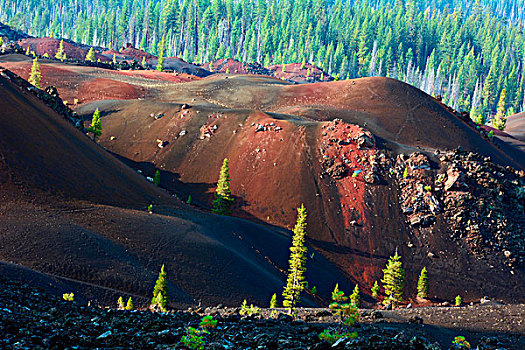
467	51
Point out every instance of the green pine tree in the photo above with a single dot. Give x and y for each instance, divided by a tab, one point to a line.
129	304
96	126
273	302
144	64
355	298
162	47
500	119
375	290
1	41
35	76
90	55
295	281
156	178
114	59
223	197
422	284
458	301
160	292
393	280
489	93
120	303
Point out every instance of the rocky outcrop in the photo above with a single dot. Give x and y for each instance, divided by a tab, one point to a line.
485	204
49	96
482	203
11	34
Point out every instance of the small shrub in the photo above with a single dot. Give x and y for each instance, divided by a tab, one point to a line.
458	301
461	342
375	290
194	338
120	303
332	337
156	179
354	297
249	310
189	200
68	296
348	312
150	208
129	305
314	290
208	322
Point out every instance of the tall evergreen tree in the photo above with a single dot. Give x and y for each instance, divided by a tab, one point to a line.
91	55
375	290
160	292
162	47
35	77
295	282
422	284
393	280
500	119
273	302
223	196
489	94
96	125
60	54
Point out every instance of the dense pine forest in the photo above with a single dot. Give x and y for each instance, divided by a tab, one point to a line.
471	52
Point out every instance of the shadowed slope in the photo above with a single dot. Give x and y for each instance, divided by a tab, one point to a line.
56	187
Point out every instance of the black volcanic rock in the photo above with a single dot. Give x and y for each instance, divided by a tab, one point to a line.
12	34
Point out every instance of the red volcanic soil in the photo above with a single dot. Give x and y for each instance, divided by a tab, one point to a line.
92	84
136	54
277	162
297	73
107	89
227	64
50	46
516	126
276	136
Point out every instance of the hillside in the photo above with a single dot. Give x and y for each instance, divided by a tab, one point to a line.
284	149
516	126
72	210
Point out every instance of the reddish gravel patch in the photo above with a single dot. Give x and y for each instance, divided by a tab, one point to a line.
50	46
107	89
